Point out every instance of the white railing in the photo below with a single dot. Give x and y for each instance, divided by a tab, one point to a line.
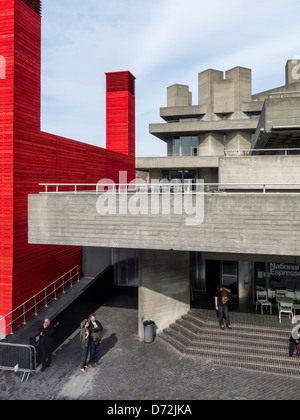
175	187
233	152
22	313
249	152
283	94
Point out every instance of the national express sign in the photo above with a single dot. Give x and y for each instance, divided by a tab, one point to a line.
284	270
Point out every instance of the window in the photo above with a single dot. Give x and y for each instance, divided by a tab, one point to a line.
230	276
185	146
125	263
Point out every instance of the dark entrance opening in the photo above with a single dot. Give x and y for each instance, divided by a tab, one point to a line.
213	275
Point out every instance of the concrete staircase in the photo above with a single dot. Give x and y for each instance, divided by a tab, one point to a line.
249	346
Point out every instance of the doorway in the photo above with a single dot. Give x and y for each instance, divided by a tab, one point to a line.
213	275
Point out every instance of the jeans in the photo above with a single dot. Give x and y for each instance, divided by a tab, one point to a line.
223	313
94	355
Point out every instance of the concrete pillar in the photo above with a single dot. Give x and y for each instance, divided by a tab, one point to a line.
238	140
164	287
211	144
179	95
245	281
292	71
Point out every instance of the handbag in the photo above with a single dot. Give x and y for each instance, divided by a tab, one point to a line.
96	336
225	299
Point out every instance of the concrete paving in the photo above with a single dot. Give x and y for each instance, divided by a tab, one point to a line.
134	370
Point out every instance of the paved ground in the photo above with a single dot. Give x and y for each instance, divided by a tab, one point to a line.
133	370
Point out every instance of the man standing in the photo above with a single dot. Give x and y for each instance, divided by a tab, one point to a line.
46	343
95	329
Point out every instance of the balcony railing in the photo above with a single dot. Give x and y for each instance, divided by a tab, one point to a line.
174	187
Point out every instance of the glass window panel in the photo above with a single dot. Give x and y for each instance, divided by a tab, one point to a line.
186	146
176	147
126	267
230	276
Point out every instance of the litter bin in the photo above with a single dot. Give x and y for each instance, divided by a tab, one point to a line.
149	331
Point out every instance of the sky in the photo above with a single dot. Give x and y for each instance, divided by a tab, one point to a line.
161	42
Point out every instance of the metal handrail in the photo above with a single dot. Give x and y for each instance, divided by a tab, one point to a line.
225	151
171	187
292	92
44	299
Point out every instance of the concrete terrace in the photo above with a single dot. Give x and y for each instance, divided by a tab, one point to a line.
133	370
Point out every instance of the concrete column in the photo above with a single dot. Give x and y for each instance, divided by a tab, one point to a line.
164	287
245	281
238	140
179	95
292	71
211	144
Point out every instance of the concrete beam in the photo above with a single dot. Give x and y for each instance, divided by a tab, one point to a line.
175	162
244	224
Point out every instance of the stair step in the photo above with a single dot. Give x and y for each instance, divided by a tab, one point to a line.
224	337
217	347
234	333
247	328
248	346
288	366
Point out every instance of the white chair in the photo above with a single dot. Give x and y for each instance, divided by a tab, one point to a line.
286	309
262	299
279	294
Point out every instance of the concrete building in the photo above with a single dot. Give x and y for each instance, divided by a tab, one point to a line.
241	229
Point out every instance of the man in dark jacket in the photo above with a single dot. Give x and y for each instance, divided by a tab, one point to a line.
46	343
95	329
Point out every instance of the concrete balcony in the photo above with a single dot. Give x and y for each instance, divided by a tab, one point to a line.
249	223
175	162
165	131
279	123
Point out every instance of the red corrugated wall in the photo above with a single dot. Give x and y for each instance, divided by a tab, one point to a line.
6	154
29	157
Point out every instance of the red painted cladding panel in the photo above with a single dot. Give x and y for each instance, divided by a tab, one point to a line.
6	155
120	81
120	113
29	157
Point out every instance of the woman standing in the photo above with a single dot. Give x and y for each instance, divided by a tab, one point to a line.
221	305
84	339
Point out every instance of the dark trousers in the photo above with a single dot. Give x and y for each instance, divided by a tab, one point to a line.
223	313
46	358
94	354
84	356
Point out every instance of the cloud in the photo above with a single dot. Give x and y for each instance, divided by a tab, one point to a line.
161	42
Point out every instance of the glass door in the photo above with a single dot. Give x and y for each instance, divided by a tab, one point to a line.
230	276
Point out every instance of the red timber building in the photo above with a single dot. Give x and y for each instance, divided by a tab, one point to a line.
29	156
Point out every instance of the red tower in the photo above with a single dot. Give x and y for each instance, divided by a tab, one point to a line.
29	157
120	113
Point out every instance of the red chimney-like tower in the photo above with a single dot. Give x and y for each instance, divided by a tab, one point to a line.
120	112
29	156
